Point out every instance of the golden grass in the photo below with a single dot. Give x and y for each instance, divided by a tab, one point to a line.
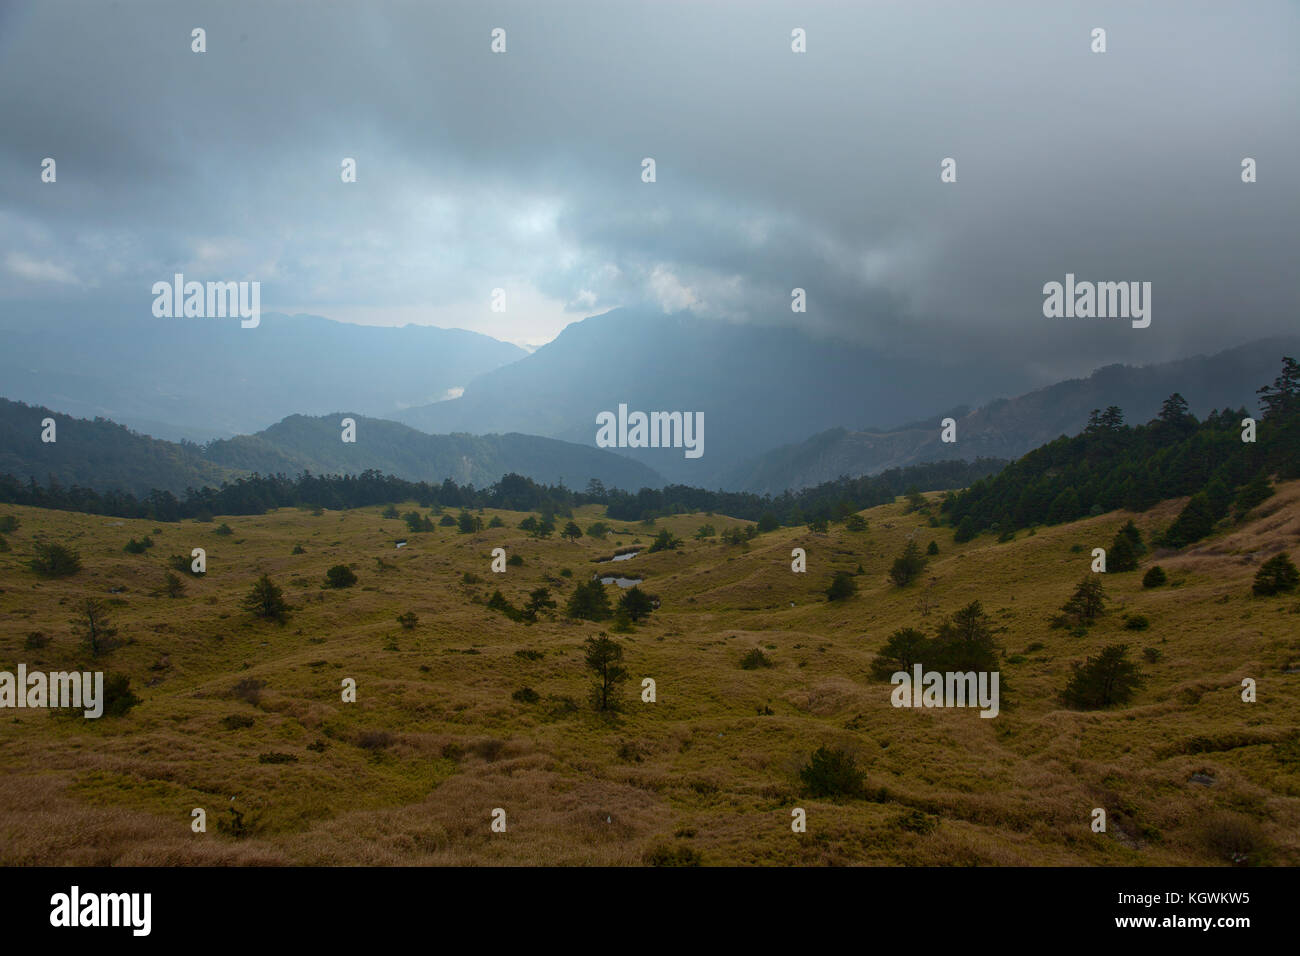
701	766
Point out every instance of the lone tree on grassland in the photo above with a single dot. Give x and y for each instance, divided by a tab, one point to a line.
604	658
842	587
636	603
94	627
1110	678
340	576
265	600
1277	575
55	561
1086	604
907	565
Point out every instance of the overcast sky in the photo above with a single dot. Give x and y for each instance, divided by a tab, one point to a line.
774	169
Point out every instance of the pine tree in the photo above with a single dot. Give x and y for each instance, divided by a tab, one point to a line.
1088	602
636	603
1277	575
604	658
908	565
265	600
589	602
1110	678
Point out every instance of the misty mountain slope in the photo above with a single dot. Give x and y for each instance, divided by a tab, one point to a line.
98	454
1008	428
109	457
208	378
759	387
303	443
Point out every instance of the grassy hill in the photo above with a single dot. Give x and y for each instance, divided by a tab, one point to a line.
1187	772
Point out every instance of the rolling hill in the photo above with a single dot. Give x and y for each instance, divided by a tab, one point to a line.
106	456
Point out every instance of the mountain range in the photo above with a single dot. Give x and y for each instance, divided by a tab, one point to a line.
106	456
1009	428
200	379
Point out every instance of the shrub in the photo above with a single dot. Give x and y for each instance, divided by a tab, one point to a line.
118	697
526	695
832	773
223	529
1154	577
842	587
298	549
237	721
1108	679
1234	839
8	524
180	562
249	689
515	560
598	530
932	549
55	561
499	602
916	821
754	659
664	541
447	521
1151	654
908	565
173	586
340	576
496	522
390	512
1277	575
408	620
138	547
678	854
855	522
35	641
374	739
1136	622
276	756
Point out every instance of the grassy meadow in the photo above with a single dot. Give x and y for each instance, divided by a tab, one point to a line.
410	773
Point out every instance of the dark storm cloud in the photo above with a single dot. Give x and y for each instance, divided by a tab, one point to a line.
774	170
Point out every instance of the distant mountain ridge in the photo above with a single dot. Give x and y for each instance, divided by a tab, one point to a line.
106	456
759	387
208	378
1009	428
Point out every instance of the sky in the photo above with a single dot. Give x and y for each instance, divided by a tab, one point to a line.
522	170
